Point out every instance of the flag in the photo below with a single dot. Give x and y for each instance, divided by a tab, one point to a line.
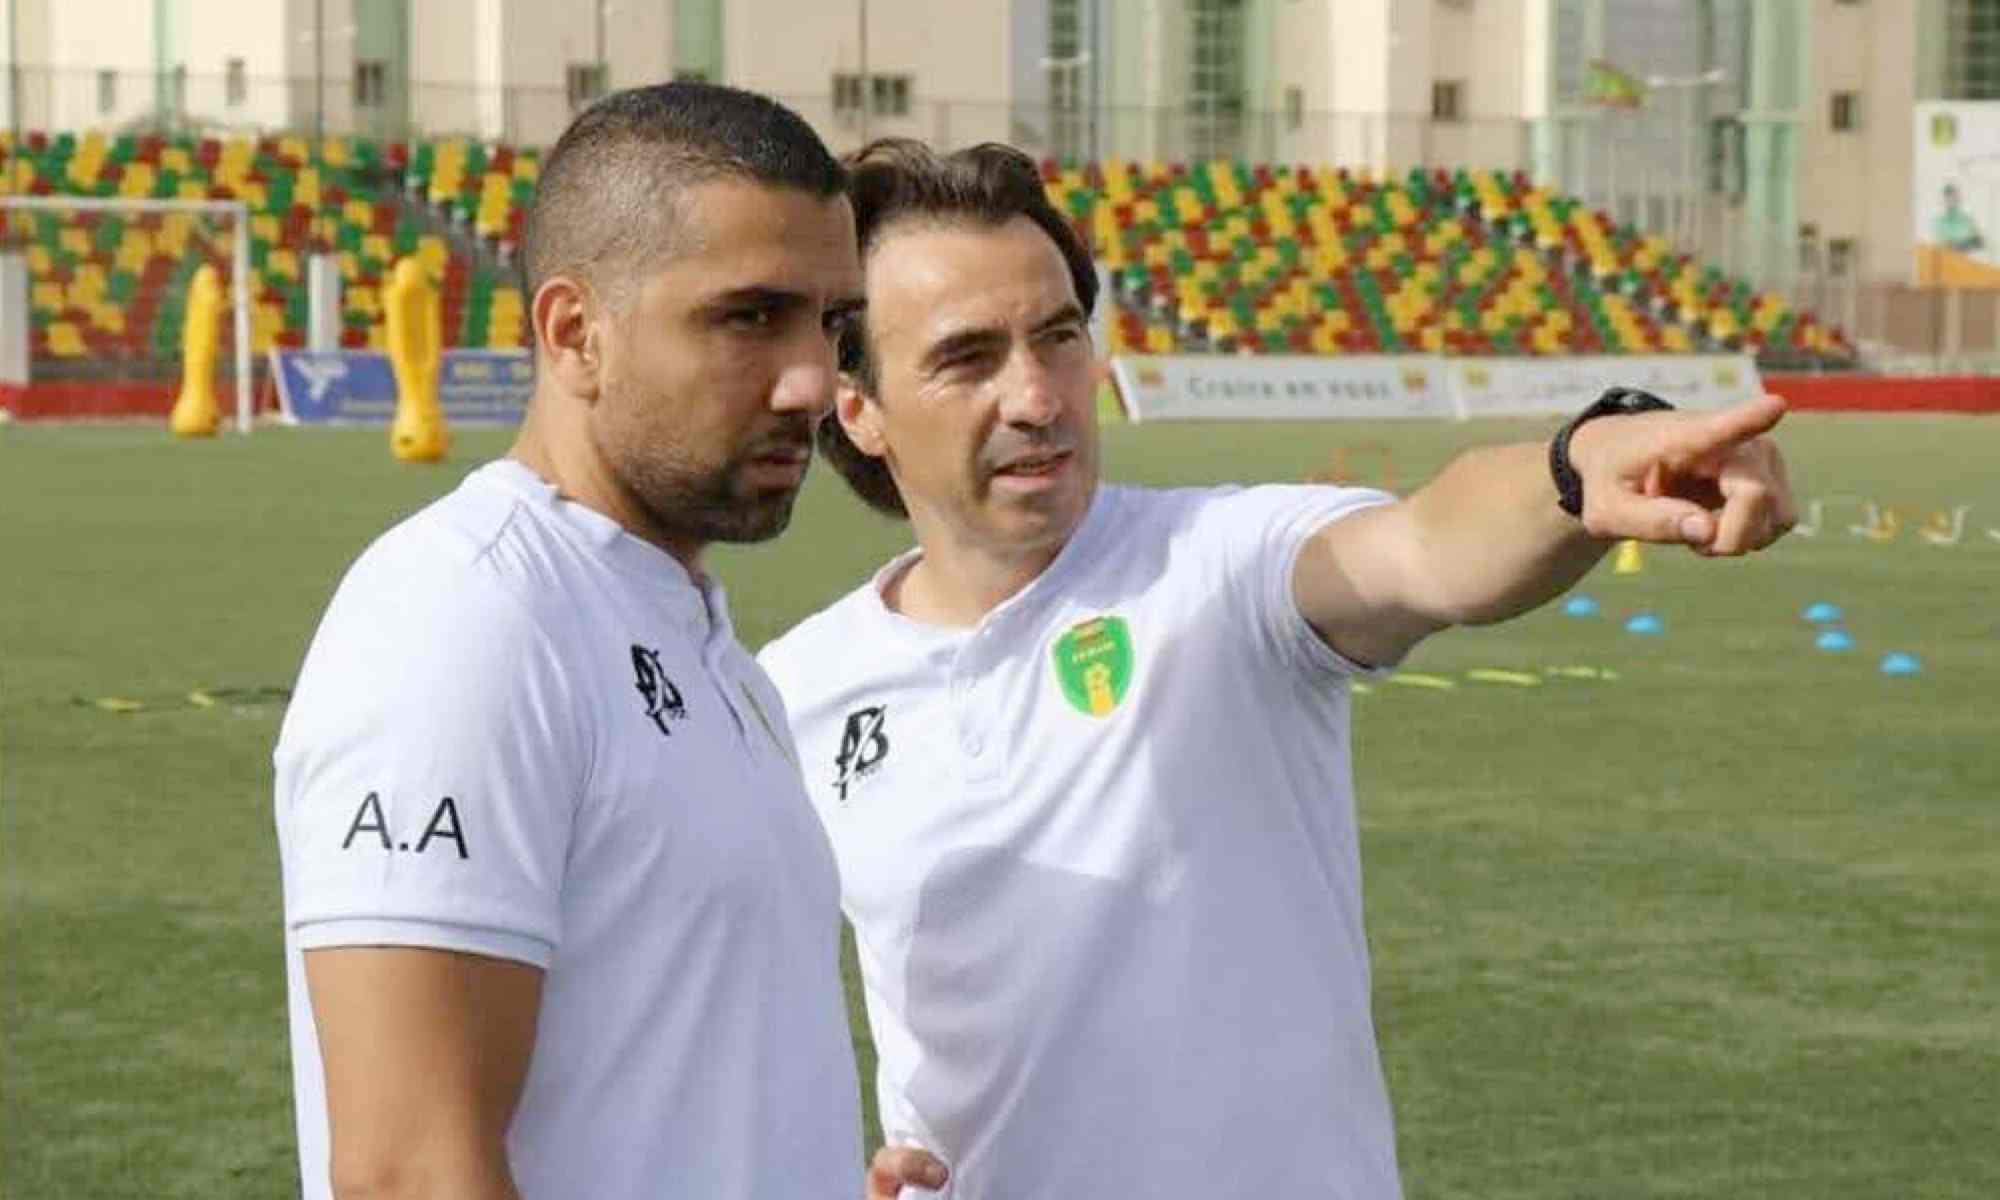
1611	87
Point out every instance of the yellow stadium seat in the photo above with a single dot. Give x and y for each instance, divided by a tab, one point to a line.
65	341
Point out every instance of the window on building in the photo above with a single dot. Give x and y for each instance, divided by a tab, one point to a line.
1068	70
1725	156
846	94
584	82
371	83
107	92
1295	107
1972	50
1840	256
891	95
1215	75
235	83
1448	99
1846	111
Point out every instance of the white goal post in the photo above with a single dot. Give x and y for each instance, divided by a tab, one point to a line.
241	283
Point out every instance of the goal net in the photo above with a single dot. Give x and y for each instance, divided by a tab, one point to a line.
106	295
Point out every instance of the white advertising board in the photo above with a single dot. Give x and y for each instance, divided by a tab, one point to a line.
1515	387
1323	388
1274	387
1955	205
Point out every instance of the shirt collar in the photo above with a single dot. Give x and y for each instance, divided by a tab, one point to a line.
1080	547
700	603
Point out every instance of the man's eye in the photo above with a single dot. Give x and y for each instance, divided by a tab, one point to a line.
750	318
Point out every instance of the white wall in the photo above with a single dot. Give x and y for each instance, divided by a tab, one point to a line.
958	56
1856	184
447	68
208	35
83	39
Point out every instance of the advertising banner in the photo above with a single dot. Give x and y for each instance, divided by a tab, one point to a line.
1314	388
1274	387
489	387
1517	387
1956	204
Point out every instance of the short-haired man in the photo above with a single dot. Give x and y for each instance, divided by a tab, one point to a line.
559	919
1083	753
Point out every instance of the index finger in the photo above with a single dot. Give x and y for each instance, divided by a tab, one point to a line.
1733	425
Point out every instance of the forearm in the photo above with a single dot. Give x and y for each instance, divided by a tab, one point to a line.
1489	540
447	1177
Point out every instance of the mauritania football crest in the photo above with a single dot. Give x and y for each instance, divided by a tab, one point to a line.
1094	664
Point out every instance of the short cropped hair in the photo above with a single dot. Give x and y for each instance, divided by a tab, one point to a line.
897	179
608	200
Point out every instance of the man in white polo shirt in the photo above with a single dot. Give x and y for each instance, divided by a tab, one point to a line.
1083	753
559	919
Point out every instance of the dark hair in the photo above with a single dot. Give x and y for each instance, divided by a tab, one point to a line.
897	179
610	186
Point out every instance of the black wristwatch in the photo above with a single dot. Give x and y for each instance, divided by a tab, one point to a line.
1617	402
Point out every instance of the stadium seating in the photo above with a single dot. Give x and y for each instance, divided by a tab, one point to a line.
111	287
1206	256
1226	256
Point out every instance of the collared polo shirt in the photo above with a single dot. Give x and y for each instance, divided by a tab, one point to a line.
523	733
1100	855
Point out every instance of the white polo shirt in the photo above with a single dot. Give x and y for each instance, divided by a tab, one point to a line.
523	733
1100	856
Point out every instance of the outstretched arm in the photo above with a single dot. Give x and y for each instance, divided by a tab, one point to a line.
1486	541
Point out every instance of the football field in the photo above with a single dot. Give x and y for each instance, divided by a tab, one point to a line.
1708	912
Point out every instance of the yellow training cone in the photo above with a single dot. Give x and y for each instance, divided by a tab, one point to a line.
196	410
1629	560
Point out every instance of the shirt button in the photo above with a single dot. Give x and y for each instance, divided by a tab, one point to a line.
973	744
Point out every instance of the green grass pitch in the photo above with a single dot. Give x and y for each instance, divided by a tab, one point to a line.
1727	924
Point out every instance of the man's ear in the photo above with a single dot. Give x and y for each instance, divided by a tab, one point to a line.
860	417
564	316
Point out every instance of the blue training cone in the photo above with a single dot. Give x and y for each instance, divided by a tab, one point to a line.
1900	663
1822	613
1580	606
1834	641
1646	624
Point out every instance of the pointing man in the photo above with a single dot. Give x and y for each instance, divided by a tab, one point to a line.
1083	752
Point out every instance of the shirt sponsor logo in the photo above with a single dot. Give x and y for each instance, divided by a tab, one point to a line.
663	699
863	746
442	827
1093	663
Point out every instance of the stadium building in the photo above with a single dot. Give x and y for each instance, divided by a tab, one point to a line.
1607	176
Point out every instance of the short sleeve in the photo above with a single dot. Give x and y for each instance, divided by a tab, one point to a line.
1256	535
429	769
